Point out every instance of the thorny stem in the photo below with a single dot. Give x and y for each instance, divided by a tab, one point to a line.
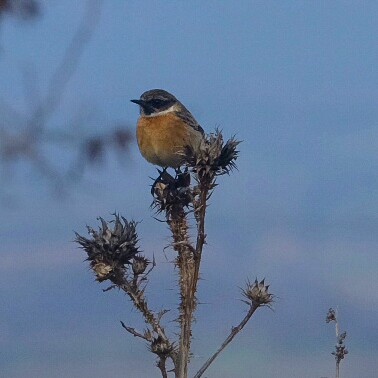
161	366
200	234
189	263
135	282
135	333
192	283
137	297
179	228
234	332
189	260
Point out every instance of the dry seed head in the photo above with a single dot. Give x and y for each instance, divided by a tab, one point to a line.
110	248
331	315
161	347
340	348
257	293
340	352
213	157
171	193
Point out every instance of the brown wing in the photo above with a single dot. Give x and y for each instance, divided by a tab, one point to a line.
185	115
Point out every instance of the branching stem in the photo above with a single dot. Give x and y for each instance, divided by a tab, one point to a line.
188	261
139	302
234	332
135	333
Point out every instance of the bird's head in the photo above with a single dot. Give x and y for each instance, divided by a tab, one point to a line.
156	101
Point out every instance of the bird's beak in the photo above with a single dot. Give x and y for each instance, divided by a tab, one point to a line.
139	102
146	107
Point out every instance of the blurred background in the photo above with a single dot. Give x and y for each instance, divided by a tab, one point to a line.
297	81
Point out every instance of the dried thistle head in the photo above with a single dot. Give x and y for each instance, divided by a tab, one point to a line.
340	352
331	315
139	265
110	248
171	193
340	349
257	293
213	157
161	347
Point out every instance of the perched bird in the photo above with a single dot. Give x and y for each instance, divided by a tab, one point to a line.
165	128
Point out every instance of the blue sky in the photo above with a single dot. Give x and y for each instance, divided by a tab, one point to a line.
297	81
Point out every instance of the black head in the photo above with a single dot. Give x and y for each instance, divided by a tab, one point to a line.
155	101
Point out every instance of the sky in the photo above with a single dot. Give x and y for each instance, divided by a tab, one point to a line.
297	82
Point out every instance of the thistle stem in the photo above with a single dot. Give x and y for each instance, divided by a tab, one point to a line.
179	228
234	332
200	236
161	366
190	287
139	302
337	369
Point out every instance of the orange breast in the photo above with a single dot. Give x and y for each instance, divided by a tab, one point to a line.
161	139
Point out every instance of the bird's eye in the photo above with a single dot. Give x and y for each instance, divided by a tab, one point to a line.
157	103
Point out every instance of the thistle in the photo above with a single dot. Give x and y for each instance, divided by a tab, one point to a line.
213	157
172	194
114	254
161	347
110	249
257	294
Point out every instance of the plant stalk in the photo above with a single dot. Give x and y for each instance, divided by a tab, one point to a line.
337	369
179	228
234	332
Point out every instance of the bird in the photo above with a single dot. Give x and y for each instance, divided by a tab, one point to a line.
165	129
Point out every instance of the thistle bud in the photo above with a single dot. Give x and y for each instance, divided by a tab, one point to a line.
139	265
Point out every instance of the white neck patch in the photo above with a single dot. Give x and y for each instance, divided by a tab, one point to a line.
171	109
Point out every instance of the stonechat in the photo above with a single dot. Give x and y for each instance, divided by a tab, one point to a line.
165	128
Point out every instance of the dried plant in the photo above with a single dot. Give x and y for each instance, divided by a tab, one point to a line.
340	349
24	137
20	8
114	254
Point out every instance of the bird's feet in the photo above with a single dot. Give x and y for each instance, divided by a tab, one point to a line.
181	180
